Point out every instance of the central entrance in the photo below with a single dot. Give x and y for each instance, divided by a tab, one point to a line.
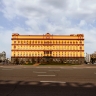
48	53
47	56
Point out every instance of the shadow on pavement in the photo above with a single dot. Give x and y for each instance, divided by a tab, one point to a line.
34	88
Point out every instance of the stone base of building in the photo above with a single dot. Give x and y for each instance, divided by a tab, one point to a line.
71	60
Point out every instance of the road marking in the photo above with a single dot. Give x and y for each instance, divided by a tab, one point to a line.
52	82
88	67
38	72
54	70
17	68
63	68
41	67
46	75
66	68
77	68
7	69
1	66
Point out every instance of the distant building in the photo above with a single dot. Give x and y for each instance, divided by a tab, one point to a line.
87	58
93	57
68	48
3	56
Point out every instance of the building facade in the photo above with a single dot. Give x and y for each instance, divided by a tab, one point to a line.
93	57
67	48
3	56
87	58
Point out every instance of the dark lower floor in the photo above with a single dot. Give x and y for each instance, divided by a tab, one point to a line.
72	60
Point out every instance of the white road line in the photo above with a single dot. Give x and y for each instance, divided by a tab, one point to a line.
7	69
61	67
88	67
17	68
38	72
41	67
54	70
46	75
52	82
65	67
1	66
77	68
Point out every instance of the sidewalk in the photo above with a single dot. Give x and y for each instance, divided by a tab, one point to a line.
51	66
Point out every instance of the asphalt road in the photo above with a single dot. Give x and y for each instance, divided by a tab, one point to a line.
29	80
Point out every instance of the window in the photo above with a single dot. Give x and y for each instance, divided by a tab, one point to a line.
14	41
80	48
30	42
80	54
14	47
80	42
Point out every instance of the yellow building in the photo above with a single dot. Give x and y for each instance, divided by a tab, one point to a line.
68	48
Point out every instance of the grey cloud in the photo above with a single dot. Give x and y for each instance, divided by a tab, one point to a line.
32	11
75	9
55	3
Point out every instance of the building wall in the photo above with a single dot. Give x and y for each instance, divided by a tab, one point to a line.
3	56
87	58
57	46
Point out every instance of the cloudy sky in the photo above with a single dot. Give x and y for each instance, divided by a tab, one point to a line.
53	16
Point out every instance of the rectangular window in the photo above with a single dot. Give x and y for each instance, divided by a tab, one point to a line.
14	47
14	41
